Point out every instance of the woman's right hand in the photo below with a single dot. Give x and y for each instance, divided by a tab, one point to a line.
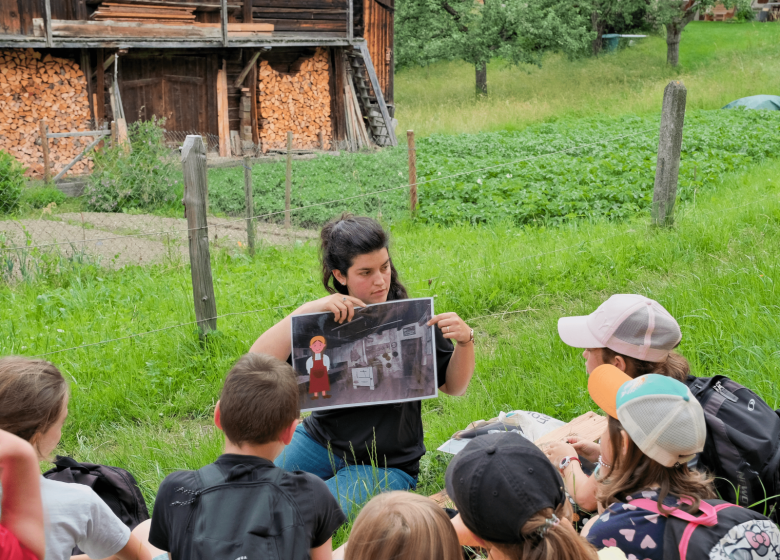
342	307
585	448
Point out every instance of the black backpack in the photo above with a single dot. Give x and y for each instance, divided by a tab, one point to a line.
722	531
742	449
248	519
115	486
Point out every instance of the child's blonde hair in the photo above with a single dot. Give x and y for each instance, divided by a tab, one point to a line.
398	525
32	396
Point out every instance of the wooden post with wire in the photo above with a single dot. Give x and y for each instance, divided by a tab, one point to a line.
412	172
669	146
44	128
193	158
288	182
250	207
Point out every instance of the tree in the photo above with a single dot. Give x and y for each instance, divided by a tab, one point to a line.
674	15
518	31
616	15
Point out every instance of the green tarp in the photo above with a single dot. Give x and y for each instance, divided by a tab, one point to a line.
769	102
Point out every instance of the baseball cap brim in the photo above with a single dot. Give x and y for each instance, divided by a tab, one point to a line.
574	331
603	385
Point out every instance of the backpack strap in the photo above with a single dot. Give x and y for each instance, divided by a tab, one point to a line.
708	518
210	475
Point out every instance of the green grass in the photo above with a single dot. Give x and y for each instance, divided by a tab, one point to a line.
719	62
145	403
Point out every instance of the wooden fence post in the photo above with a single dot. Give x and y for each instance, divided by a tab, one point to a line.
288	182
669	146
44	128
250	207
412	171
193	158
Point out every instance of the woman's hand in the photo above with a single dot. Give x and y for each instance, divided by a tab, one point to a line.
557	450
452	326
585	448
342	307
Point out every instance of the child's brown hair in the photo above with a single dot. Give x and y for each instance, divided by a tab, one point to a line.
32	396
259	399
399	525
633	471
675	365
558	543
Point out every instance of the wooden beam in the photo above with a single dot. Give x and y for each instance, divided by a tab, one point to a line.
86	68
100	88
253	100
245	71
45	149
47	22
380	100
74	134
350	21
247	12
223	121
78	158
224	20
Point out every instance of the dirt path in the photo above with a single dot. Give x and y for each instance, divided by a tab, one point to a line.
120	239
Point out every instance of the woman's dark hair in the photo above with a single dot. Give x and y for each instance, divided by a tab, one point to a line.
633	472
347	237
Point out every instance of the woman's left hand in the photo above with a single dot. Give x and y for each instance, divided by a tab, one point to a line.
557	450
452	326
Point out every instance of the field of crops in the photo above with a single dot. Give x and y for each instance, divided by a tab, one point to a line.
552	172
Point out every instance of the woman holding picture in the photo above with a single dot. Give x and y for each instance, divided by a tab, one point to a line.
362	450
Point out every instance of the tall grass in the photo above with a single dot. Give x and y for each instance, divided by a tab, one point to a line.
719	62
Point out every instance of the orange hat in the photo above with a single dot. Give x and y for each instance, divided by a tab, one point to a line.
318	339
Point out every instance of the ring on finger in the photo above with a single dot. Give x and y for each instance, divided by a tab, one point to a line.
448	329
343	299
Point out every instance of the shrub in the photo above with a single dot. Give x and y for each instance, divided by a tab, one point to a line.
42	197
146	178
12	182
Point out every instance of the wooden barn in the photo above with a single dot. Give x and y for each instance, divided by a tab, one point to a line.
240	72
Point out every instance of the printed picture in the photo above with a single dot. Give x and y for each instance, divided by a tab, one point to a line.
385	354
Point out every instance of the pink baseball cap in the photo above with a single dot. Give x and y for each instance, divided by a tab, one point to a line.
628	324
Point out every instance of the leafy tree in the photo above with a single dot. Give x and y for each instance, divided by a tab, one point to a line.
519	31
616	15
674	15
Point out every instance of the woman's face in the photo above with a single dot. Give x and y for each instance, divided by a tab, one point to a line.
45	443
317	346
368	279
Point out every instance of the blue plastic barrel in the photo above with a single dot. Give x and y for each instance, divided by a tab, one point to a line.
611	40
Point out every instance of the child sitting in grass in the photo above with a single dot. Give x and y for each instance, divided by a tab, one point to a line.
402	525
636	335
242	505
34	406
511	501
21	523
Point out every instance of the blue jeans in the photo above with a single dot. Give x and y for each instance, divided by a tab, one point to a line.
352	485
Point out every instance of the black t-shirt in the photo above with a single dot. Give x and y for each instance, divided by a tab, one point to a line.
398	426
172	521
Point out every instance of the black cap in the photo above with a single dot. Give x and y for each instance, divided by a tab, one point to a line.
498	482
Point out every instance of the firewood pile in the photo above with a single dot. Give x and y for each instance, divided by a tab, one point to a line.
36	87
298	102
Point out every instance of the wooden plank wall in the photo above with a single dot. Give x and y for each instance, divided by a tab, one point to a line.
16	16
318	16
378	16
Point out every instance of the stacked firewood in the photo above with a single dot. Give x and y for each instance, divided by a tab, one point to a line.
297	102
35	87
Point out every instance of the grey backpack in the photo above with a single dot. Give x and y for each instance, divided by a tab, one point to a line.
253	518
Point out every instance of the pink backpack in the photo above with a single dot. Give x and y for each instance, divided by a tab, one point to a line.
722	531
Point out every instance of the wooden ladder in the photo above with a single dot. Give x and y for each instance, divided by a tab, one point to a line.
372	103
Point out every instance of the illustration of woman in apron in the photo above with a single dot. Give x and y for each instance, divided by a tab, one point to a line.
317	367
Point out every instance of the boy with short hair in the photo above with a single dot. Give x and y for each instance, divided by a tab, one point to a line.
242	505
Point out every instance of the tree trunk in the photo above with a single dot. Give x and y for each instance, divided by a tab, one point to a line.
481	68
598	27
673	33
